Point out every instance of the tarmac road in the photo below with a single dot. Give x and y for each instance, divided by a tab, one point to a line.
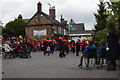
40	66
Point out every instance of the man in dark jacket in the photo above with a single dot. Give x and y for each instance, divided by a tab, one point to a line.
51	44
72	45
77	47
45	43
61	47
66	44
113	45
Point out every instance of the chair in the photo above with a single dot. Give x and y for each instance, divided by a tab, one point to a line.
101	57
7	54
92	54
103	53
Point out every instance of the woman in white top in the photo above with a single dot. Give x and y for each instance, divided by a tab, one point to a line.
8	49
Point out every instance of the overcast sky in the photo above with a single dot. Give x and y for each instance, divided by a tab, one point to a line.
81	11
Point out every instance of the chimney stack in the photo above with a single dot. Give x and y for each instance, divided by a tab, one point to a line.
52	12
39	7
20	16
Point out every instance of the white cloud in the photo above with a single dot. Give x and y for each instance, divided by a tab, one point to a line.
79	10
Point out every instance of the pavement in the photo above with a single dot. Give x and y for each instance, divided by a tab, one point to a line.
40	66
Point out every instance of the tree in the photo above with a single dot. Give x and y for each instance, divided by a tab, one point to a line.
1	23
114	13
100	36
8	32
17	26
100	31
110	14
1	27
101	17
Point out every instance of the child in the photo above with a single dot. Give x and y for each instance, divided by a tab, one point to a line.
48	50
101	53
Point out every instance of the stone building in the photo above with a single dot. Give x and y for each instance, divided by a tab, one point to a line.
42	25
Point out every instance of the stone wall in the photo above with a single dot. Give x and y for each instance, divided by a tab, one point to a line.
29	31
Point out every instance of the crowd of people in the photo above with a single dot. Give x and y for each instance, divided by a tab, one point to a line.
24	47
16	47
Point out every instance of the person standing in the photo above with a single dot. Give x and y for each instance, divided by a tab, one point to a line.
72	45
51	45
61	47
113	46
77	47
45	43
66	44
83	45
1	48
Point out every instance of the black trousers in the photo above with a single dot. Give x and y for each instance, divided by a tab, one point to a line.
52	49
44	49
77	52
66	50
99	60
111	63
62	54
73	50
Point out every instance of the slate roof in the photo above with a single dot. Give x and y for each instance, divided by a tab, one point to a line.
78	26
26	20
80	29
81	32
47	16
50	18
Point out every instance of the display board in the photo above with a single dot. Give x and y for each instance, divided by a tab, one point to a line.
39	32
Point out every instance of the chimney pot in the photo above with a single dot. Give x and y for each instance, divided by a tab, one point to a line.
20	16
39	7
52	12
